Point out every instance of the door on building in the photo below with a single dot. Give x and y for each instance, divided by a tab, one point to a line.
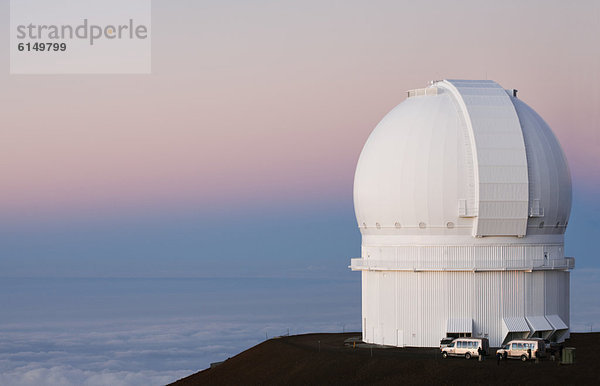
400	338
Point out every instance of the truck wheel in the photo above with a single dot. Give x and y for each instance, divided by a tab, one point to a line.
504	356
523	358
444	355
468	356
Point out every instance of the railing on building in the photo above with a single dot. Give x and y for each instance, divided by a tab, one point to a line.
524	264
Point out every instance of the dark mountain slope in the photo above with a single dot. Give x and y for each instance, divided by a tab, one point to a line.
316	359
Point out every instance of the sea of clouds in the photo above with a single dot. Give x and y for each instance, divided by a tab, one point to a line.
132	353
150	340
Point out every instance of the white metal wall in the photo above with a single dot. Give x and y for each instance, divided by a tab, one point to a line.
413	308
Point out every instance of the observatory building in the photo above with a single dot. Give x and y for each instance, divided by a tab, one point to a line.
462	196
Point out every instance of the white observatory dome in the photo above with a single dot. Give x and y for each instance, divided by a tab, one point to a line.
426	169
462	196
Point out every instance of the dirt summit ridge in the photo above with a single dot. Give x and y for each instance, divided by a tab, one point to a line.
324	359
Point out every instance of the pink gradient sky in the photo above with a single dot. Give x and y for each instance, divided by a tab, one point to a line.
272	101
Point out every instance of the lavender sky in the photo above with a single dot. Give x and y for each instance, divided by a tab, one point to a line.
236	156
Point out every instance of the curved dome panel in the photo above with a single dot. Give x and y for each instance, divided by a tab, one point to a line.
549	176
399	184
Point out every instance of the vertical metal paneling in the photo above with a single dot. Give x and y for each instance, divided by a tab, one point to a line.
417	305
432	305
486	316
406	312
513	293
566	292
364	303
387	312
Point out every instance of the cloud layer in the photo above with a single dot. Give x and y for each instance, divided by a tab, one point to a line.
174	339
